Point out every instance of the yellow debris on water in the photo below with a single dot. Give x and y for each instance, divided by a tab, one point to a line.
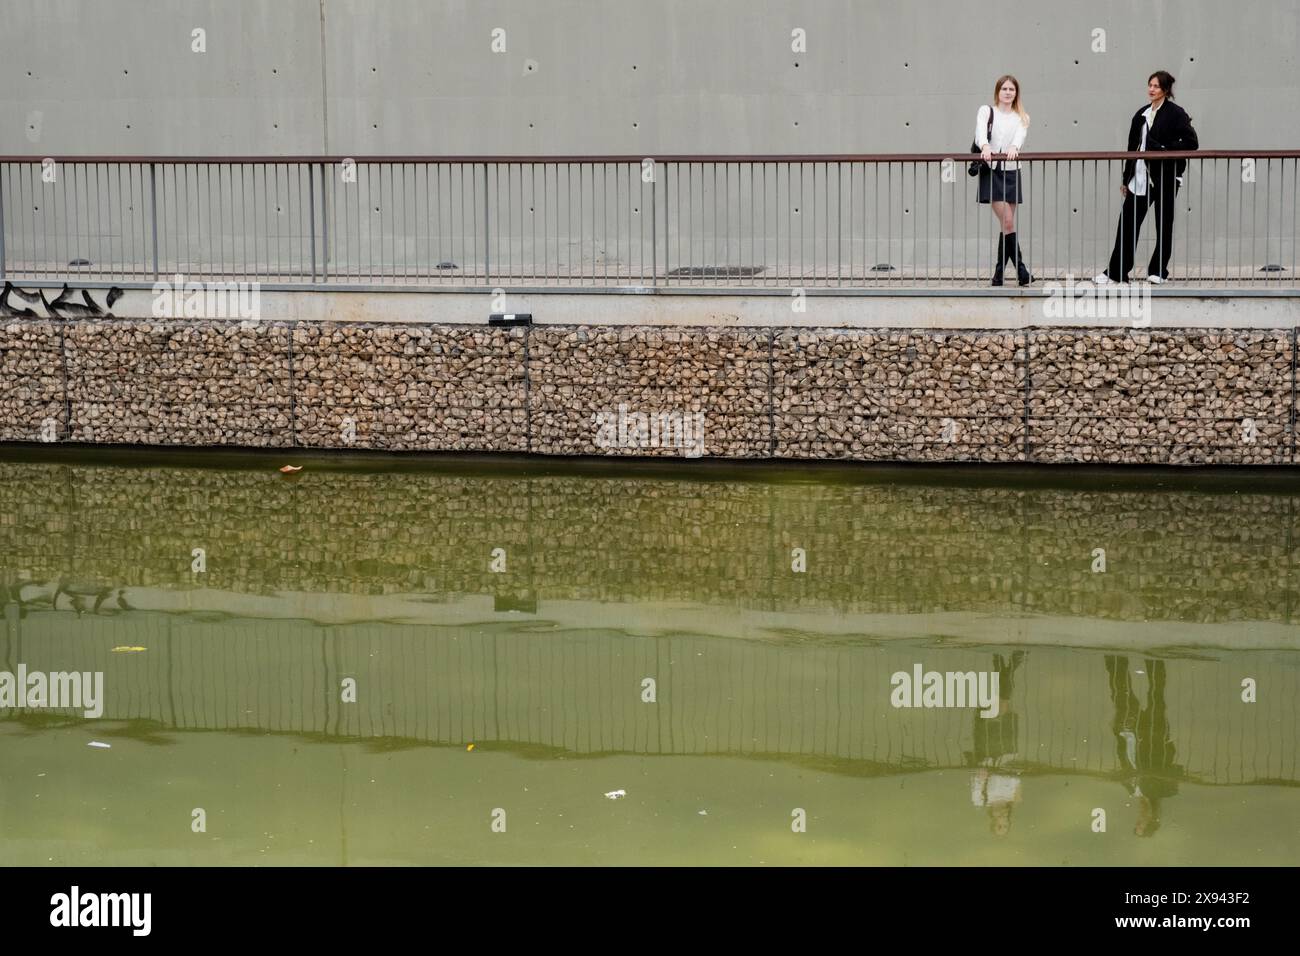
129	649
470	747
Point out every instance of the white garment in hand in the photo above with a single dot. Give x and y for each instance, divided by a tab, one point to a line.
1139	187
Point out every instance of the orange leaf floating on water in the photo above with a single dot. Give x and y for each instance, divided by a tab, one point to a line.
290	469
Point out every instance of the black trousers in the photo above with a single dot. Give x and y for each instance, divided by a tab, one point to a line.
1161	198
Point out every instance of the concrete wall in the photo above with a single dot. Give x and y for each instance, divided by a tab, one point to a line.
363	77
407	76
1175	396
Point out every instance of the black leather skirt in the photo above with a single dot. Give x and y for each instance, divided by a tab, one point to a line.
997	185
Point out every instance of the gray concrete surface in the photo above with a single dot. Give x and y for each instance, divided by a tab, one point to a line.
1133	307
412	76
402	77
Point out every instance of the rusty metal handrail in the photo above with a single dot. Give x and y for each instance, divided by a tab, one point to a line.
1055	156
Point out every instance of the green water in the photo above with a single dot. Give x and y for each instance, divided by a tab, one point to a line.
522	608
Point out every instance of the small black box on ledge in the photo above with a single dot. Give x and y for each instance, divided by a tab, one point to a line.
510	318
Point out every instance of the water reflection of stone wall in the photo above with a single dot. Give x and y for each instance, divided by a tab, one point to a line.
581	692
1051	395
889	548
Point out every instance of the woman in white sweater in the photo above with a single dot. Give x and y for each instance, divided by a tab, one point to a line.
1003	130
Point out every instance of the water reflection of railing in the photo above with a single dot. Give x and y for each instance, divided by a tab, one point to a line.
580	691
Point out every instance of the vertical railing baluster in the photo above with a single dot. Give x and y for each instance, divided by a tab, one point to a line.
153	213
654	232
839	222
325	182
311	216
3	167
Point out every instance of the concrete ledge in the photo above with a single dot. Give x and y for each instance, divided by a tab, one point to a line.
1039	306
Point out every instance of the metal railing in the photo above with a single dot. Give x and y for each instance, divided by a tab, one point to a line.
619	222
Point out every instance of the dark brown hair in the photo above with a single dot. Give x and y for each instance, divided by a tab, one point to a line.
1166	81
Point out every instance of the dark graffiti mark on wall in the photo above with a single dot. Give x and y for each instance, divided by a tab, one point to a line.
61	308
62	303
18	312
77	593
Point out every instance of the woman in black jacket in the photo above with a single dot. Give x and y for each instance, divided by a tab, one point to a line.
1163	125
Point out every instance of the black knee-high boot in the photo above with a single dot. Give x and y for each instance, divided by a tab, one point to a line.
1013	254
1001	259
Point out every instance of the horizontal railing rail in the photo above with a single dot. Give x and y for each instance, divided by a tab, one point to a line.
664	158
846	221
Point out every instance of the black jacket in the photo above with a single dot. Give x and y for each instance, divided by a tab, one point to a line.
1171	130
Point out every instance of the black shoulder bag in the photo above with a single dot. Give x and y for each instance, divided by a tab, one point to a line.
974	168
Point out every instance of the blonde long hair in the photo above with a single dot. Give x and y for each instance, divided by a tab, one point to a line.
1016	105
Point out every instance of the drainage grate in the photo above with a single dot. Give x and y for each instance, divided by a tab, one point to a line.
709	271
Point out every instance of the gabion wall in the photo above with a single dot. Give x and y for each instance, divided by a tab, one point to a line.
1048	395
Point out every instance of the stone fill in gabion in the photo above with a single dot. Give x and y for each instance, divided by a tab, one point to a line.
1168	396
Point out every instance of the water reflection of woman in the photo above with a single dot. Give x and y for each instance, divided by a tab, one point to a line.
996	784
1143	743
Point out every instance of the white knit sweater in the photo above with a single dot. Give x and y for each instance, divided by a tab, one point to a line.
1008	131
